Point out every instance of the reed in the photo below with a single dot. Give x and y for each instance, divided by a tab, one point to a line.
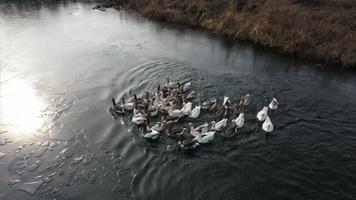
323	30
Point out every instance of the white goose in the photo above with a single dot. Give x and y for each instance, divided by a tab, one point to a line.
205	138
219	126
152	110
151	134
139	119
129	106
195	112
208	104
186	87
262	114
187	108
198	130
170	84
226	102
239	121
159	126
274	104
267	125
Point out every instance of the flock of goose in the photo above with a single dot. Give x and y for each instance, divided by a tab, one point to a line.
175	101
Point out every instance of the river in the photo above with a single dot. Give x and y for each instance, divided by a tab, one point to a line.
61	64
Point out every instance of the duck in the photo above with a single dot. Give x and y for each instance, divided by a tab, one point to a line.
239	108
174	112
170	120
191	95
262	114
229	132
152	110
219	126
129	106
198	130
226	104
206	105
239	121
188	144
176	132
139	119
170	84
151	134
158	92
245	99
267	125
178	102
213	107
116	107
274	104
172	94
159	126
187	108
195	112
205	138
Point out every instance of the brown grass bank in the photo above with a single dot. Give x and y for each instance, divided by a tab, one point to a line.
322	30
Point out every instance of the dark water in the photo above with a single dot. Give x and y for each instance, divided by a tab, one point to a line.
61	64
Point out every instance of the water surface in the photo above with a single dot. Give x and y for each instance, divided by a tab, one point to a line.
62	63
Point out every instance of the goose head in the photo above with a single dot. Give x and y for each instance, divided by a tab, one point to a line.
167	80
212	123
147	95
158	89
134	97
113	102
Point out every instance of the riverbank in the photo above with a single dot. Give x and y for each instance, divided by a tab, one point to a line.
319	30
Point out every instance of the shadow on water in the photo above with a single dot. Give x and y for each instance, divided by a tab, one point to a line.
70	61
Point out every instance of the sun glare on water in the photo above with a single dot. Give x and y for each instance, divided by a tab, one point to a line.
20	107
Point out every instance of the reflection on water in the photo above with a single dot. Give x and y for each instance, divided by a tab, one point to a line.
20	107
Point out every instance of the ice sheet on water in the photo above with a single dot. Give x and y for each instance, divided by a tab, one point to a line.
19	173
51	175
26	157
2	155
41	151
31	187
77	158
34	166
21	164
54	144
5	141
61	164
19	148
13	182
45	143
86	160
65	153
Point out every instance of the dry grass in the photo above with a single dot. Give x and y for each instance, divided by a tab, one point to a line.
316	29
